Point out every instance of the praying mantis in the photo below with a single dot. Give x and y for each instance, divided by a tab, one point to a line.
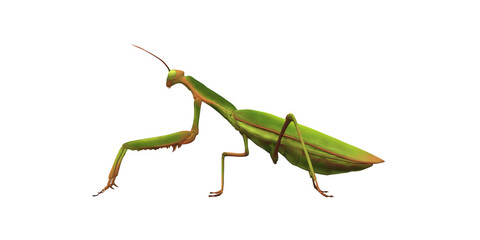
302	146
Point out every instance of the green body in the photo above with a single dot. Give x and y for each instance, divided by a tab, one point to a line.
328	155
303	147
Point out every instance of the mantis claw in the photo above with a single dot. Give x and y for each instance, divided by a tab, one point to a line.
110	184
315	185
215	194
323	193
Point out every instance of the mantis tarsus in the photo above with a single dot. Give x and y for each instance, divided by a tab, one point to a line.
303	147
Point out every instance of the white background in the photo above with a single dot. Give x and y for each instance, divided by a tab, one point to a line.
396	79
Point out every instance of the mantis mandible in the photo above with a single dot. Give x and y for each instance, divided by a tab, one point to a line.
303	147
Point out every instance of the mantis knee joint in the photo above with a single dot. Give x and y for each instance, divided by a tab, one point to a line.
290	117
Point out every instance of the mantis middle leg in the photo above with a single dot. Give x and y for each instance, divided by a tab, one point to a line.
244	154
174	140
291	118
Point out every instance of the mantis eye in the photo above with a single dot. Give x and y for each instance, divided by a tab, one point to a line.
172	74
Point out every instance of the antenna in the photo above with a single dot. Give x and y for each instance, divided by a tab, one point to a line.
153	55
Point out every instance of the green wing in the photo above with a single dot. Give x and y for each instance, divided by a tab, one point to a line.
311	137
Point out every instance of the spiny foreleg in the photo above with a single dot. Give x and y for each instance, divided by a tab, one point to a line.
175	140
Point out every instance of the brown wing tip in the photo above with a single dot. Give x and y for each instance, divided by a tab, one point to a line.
368	158
374	159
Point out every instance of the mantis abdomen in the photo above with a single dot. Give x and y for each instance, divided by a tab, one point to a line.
331	157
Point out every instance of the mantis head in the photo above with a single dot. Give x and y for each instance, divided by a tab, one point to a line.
174	76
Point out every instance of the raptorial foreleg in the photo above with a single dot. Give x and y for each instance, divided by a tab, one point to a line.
174	140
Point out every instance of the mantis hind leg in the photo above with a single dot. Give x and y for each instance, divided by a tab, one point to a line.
225	154
172	140
291	118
